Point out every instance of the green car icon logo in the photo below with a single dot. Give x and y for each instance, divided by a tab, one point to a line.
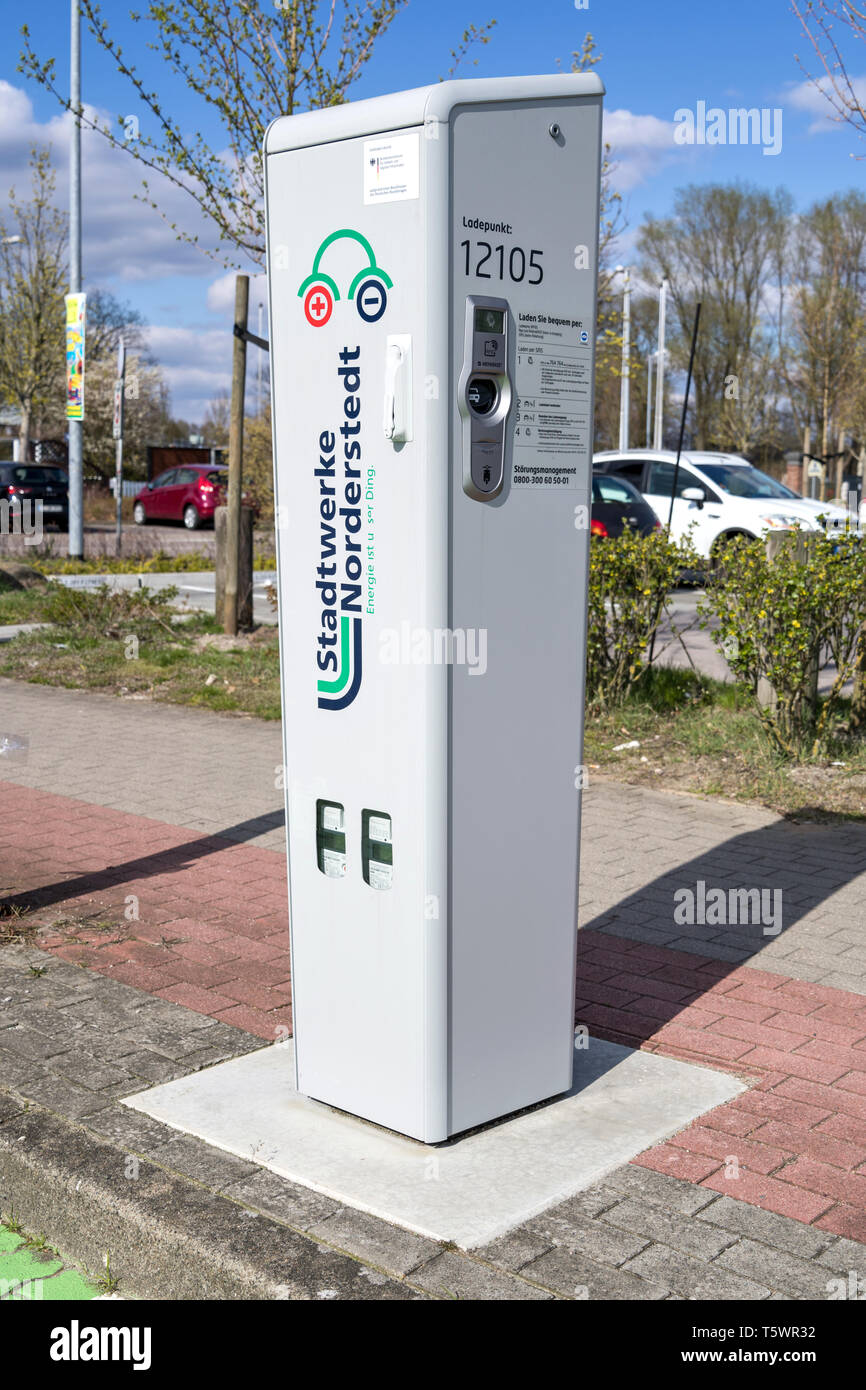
369	288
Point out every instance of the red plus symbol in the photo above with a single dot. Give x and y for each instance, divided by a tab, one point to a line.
318	305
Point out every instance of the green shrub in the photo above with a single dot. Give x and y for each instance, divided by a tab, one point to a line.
629	582
787	619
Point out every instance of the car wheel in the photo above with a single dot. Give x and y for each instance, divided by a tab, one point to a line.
191	518
139	515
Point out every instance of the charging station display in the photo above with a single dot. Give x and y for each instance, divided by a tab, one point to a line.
432	261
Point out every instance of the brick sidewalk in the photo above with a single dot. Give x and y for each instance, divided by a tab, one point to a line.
211	930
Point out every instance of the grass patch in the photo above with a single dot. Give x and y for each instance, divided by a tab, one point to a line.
135	644
160	562
703	736
21	605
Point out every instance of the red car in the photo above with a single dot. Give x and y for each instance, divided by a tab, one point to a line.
190	493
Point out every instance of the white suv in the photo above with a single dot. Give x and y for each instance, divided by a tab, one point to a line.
718	496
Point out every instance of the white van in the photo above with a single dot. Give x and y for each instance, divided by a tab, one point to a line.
718	496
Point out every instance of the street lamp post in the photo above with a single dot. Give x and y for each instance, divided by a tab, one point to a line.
76	477
625	377
16	240
660	369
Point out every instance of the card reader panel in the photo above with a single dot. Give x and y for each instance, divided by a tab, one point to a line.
484	396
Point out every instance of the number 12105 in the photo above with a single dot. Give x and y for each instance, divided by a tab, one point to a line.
500	263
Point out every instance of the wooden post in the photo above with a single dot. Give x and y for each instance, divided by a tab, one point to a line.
245	565
840	464
236	452
774	542
807	445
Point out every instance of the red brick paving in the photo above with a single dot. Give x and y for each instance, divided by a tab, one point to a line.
213	929
797	1138
212	935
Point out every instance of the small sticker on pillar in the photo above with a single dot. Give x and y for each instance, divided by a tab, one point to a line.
333	863
381	875
331	839
380	829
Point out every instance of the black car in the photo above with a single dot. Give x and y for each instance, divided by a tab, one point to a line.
616	505
34	483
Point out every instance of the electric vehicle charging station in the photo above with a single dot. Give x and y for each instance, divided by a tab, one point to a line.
432	264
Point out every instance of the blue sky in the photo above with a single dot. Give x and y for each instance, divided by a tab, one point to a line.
658	56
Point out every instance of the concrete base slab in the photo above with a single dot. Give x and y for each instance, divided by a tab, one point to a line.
473	1188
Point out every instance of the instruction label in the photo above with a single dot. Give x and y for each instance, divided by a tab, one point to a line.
552	413
391	169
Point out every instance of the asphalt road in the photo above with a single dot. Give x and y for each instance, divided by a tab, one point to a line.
196	589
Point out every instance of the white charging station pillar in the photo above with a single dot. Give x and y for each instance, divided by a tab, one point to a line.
432	262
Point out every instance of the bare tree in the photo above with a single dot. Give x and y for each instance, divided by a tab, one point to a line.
724	245
246	62
825	23
33	277
823	346
215	428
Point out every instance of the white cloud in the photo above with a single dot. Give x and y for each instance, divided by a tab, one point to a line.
197	363
639	146
122	238
811	97
221	293
125	242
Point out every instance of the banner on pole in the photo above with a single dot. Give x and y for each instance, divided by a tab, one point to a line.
75	317
117	430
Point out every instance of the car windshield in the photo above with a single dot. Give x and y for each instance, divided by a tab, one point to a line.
742	480
38	475
608	489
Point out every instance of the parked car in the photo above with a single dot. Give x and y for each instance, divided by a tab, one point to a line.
718	496
190	494
37	482
617	506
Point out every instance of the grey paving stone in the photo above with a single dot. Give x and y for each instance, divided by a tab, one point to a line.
781	1272
692	1278
183	1154
710	948
837	980
593	1201
145	1066
128	1127
780	1232
35	1046
109	1015
9	1107
680	1232
64	1097
515	1249
298	1206
574	1275
844	1256
671	1194
90	1072
16	1071
454	1276
167	1042
389	1247
594	1238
